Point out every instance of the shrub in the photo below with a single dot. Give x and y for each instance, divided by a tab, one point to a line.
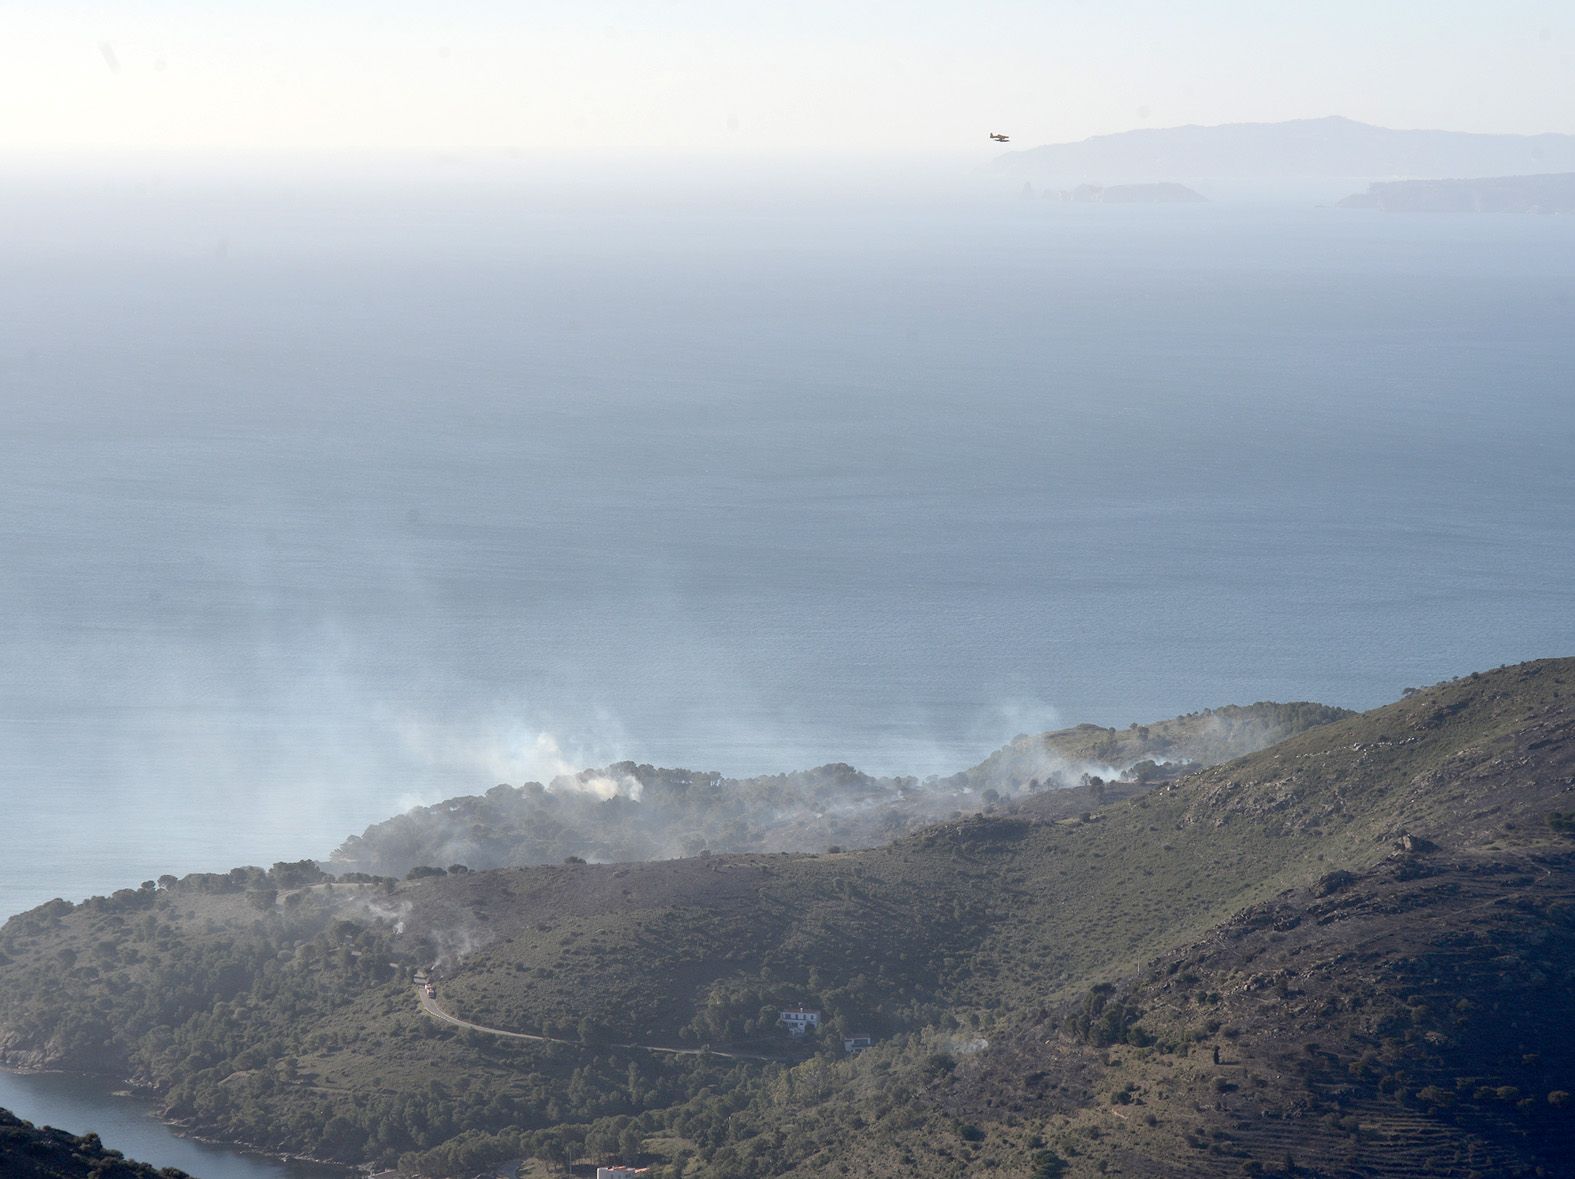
1048	1165
938	1064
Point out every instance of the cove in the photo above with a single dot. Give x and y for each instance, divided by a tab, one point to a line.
84	1105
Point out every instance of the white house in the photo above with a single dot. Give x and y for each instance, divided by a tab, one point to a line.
621	1172
856	1043
799	1020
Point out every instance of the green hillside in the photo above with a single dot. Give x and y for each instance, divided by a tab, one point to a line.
1372	922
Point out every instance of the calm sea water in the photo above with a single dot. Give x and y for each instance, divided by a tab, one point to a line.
84	1105
319	500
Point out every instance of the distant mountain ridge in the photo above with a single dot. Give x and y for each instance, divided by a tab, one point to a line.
1300	149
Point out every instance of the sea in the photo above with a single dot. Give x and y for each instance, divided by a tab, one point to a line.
328	488
332	487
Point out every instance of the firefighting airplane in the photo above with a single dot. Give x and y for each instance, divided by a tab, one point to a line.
999	138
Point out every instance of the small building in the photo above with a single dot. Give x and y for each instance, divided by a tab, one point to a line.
799	1020
621	1172
855	1044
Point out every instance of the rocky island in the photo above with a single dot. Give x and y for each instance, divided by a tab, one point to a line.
1544	193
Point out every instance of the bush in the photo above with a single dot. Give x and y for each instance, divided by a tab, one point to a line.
938	1064
1048	1165
1333	882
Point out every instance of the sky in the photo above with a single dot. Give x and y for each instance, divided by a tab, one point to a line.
858	76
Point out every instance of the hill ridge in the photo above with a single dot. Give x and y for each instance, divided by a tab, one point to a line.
629	811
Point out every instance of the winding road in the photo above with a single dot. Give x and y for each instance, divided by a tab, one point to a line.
429	1005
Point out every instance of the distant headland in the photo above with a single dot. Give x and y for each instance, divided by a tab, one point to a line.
1551	193
1330	148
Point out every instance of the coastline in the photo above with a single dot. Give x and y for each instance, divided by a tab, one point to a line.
123	1089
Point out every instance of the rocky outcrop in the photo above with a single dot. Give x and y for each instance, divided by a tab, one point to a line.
1550	193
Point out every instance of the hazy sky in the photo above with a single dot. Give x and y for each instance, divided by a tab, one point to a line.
855	75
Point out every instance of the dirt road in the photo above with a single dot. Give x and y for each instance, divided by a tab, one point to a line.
429	1004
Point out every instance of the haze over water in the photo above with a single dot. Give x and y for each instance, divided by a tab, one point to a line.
319	498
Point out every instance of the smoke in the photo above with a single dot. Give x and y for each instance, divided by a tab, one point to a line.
517	753
451	944
602	787
372	908
960	1045
626	812
440	931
